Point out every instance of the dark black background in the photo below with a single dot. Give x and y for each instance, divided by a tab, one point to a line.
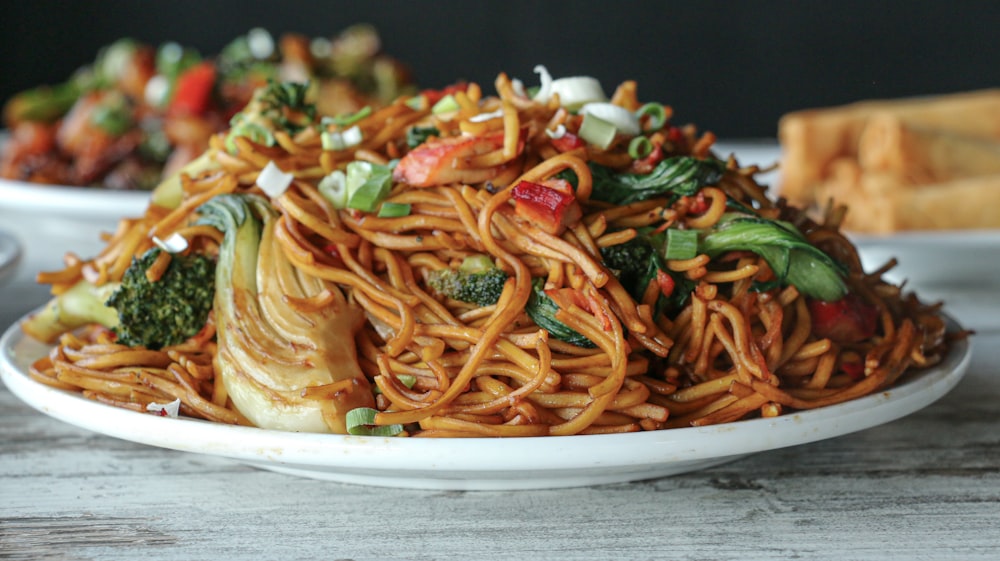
731	67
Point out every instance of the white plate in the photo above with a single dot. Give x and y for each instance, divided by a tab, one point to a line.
479	463
51	220
10	256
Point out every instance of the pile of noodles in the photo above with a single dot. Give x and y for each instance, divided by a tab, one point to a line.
732	351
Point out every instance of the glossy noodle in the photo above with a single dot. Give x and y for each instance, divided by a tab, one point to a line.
705	319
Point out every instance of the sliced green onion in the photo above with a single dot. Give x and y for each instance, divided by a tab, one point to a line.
273	181
597	131
361	422
345	120
341	140
175	243
393	210
256	132
622	118
367	185
639	147
574	91
446	104
657	115
333	187
681	244
417	102
408	380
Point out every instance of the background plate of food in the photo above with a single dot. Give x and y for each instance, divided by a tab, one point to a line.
78	156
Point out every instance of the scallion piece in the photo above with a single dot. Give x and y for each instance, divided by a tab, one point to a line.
345	120
597	131
333	187
417	102
273	181
656	113
639	147
624	120
361	422
367	185
341	140
393	210
446	104
681	244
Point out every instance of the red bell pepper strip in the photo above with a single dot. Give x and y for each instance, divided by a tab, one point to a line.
847	320
549	209
568	141
193	94
434	96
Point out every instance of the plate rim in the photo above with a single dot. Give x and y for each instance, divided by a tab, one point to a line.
444	459
71	200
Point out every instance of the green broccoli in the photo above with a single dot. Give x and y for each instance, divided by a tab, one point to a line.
142	313
638	262
477	281
168	311
630	262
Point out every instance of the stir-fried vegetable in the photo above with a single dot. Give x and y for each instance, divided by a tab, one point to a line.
283	335
679	175
477	280
792	258
542	310
169	310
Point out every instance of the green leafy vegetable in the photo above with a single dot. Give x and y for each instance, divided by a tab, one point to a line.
542	310
81	305
792	258
679	175
270	350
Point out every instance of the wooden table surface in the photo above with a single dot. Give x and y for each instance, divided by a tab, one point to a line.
923	487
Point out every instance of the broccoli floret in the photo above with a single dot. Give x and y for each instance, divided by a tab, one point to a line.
477	281
637	263
630	261
168	311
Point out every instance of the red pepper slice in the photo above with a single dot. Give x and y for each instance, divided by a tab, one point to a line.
568	141
193	94
434	96
848	320
665	282
549	209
